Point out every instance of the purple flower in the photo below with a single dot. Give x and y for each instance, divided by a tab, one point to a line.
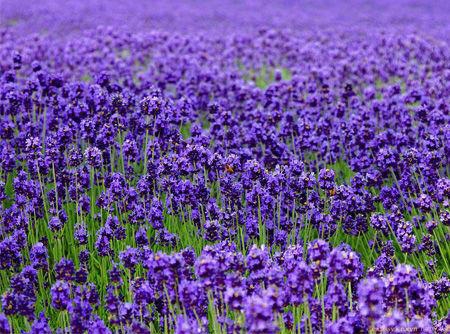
144	294
39	256
81	234
371	293
234	297
115	275
257	258
83	257
326	179
102	244
318	252
141	237
380	223
391	321
97	326
300	283
40	325
259	316
185	325
129	258
425	202
341	326
93	156
60	293
212	230
345	265
4	324
336	297
55	224
193	297
64	270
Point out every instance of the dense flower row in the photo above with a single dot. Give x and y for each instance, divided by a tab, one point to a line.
266	181
322	287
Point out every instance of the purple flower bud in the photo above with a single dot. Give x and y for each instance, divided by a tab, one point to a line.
93	156
39	256
55	224
4	324
64	270
371	295
259	316
40	325
60	292
81	234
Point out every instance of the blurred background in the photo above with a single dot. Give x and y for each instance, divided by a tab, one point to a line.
65	17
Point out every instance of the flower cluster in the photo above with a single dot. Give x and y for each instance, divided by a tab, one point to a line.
273	179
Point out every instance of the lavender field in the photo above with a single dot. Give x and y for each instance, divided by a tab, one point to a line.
234	167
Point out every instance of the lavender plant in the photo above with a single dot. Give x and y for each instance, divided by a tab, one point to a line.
181	172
